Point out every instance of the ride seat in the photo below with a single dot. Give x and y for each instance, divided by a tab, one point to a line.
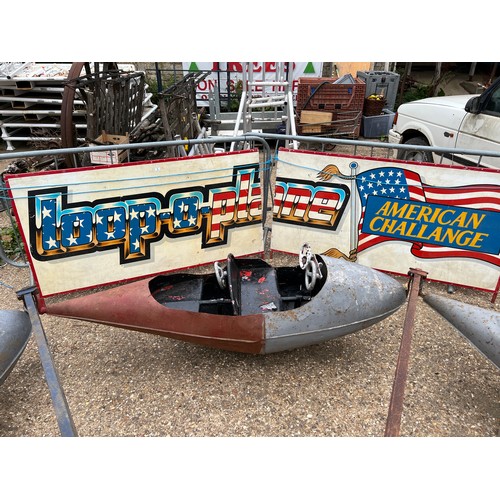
254	290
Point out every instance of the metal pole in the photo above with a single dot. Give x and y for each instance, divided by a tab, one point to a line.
262	137
63	415
393	424
158	77
290	106
228	87
472	70
493	72
435	81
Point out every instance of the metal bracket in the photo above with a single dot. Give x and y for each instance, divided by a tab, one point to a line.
63	414
393	424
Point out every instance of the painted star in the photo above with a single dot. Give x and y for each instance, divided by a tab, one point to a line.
46	212
51	242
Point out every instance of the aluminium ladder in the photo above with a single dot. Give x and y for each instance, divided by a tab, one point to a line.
262	95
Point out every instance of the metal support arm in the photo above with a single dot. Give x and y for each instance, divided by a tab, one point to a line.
63	415
417	276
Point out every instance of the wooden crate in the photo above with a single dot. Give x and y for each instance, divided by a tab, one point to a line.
315	118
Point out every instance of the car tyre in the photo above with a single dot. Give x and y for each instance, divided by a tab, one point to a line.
420	156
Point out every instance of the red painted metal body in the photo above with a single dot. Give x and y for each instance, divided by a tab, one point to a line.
132	306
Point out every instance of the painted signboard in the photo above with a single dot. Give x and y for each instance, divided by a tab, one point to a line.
391	215
226	75
99	225
89	226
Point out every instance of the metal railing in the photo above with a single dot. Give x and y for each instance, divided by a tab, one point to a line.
264	140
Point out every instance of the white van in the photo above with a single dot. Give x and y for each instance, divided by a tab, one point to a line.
463	121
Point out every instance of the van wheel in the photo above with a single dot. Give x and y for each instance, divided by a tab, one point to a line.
420	156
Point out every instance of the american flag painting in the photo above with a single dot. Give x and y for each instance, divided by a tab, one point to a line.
394	183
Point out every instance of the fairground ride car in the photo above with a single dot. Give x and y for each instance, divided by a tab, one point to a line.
461	122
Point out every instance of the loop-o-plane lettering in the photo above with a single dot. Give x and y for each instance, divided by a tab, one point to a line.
61	229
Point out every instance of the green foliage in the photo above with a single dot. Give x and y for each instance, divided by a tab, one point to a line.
153	88
414	90
234	98
420	91
10	240
152	84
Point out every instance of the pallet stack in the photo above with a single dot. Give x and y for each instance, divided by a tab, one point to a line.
30	103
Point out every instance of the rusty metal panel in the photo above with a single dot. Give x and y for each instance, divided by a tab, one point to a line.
132	307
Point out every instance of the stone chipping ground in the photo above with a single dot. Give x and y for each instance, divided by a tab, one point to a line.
123	383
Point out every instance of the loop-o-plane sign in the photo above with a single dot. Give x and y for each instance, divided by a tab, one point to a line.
90	226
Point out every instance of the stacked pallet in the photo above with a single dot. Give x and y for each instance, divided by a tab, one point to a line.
31	95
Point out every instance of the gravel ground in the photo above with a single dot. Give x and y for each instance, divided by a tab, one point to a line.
121	383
